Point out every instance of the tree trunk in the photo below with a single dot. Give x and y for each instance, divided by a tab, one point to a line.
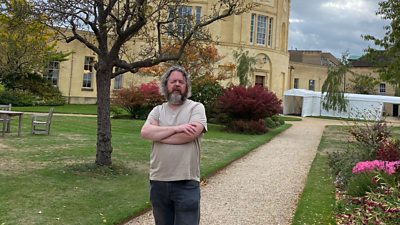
104	148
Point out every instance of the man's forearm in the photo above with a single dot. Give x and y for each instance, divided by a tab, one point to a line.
178	138
152	131
184	137
156	133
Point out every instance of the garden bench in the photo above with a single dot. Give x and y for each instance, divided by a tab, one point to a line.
41	122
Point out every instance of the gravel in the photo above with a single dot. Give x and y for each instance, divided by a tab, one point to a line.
263	187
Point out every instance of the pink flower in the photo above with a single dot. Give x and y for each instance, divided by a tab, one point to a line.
387	167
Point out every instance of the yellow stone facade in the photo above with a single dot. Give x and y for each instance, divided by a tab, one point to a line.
309	69
231	34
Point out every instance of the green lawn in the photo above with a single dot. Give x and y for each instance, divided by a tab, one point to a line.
53	180
68	109
317	202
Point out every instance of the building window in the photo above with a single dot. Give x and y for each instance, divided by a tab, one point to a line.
183	22
382	88
87	80
261	29
296	83
198	14
311	85
118	82
170	27
252	21
271	21
88	72
259	81
184	19
53	71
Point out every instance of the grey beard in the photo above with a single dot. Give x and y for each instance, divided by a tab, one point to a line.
175	99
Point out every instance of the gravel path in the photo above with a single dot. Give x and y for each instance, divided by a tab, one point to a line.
263	187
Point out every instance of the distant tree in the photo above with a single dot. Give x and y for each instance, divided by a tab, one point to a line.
244	66
363	84
198	59
26	44
110	28
334	86
388	60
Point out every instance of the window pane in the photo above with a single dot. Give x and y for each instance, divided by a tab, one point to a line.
311	85
261	29
270	31
170	18
87	80
382	88
296	83
252	21
118	82
198	14
183	23
88	63
53	71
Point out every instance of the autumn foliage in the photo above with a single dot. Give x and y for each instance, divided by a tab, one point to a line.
388	150
138	100
198	60
249	105
253	103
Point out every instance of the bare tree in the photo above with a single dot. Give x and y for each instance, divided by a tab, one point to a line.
115	30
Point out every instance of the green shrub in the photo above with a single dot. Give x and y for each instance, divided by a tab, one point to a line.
116	112
270	123
359	184
31	89
206	89
281	121
17	98
278	120
342	162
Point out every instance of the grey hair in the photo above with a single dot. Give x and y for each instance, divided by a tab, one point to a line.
165	76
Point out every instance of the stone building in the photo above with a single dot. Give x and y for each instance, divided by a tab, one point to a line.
309	70
263	32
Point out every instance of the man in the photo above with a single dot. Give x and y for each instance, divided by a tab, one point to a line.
176	128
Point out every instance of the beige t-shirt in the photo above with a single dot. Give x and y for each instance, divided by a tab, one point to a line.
177	162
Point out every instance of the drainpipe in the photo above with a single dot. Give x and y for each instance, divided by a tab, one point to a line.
70	78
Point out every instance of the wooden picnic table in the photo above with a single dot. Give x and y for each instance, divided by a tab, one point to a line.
11	114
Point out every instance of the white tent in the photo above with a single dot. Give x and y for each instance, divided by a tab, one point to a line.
309	103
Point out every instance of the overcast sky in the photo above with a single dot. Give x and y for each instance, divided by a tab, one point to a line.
334	25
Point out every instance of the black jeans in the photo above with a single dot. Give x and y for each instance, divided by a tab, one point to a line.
175	202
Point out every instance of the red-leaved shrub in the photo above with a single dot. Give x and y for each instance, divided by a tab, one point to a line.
253	103
248	127
244	109
388	151
138	100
